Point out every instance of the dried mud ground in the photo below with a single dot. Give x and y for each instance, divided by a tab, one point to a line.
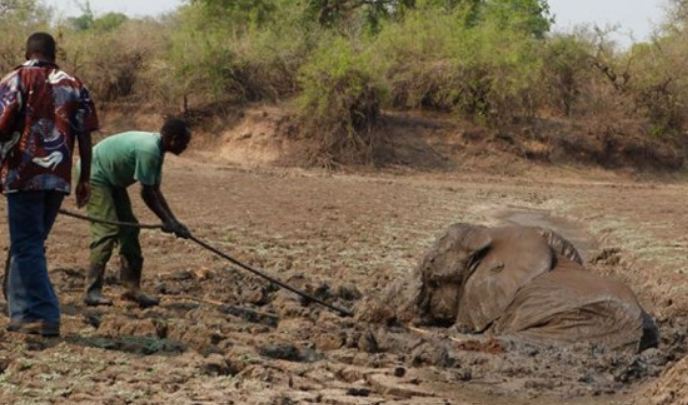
224	336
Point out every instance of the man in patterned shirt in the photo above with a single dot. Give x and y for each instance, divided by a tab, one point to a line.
43	112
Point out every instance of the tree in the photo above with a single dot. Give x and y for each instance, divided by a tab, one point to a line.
330	12
531	16
23	11
85	20
240	13
109	21
677	15
10	6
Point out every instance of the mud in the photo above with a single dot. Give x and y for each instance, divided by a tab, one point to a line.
222	336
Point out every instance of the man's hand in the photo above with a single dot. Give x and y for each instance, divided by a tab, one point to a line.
83	193
176	228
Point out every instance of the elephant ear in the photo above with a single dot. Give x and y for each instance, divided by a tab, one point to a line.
451	254
560	245
477	240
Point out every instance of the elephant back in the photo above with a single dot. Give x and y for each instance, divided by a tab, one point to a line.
516	256
573	305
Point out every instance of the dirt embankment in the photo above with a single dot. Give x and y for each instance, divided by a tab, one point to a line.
269	135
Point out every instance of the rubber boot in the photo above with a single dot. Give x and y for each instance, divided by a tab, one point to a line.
130	275
94	286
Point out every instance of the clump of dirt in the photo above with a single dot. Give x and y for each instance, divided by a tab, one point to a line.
287	351
671	388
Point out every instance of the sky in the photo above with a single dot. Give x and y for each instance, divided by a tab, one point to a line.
638	17
137	8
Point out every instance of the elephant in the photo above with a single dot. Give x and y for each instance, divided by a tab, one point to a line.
519	281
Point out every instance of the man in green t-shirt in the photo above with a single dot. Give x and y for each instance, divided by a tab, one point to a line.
118	162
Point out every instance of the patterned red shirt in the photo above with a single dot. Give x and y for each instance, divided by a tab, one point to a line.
43	111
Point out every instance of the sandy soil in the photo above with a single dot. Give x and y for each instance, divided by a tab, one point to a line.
223	336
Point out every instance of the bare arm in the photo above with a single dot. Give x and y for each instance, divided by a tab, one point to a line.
155	200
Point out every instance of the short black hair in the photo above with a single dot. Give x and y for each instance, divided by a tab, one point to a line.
176	128
41	43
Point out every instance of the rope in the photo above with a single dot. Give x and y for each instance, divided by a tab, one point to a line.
305	295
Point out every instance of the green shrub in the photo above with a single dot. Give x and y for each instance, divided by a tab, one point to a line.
567	70
434	59
340	103
660	84
18	19
114	64
249	52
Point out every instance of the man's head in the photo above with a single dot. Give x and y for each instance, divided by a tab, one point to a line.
176	135
41	45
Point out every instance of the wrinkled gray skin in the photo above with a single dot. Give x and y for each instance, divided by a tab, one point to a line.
504	258
518	281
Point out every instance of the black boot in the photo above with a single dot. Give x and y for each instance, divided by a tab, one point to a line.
130	275
94	286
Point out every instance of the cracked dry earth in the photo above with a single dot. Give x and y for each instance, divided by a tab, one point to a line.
224	336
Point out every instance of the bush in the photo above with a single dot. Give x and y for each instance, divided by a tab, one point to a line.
566	71
340	103
660	85
18	19
246	53
434	59
115	64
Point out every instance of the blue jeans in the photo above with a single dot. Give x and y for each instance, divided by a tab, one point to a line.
30	295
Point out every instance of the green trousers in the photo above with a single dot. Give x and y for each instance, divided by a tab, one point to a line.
112	203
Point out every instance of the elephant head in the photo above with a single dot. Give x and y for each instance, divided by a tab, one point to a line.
445	269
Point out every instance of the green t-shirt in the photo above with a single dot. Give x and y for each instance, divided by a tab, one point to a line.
123	159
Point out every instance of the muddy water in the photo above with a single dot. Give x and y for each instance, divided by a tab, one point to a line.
570	230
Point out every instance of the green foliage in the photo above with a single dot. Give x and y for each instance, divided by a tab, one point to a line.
340	102
22	12
333	12
566	70
87	20
116	64
18	18
660	85
109	21
531	16
229	59
242	15
492	61
435	59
